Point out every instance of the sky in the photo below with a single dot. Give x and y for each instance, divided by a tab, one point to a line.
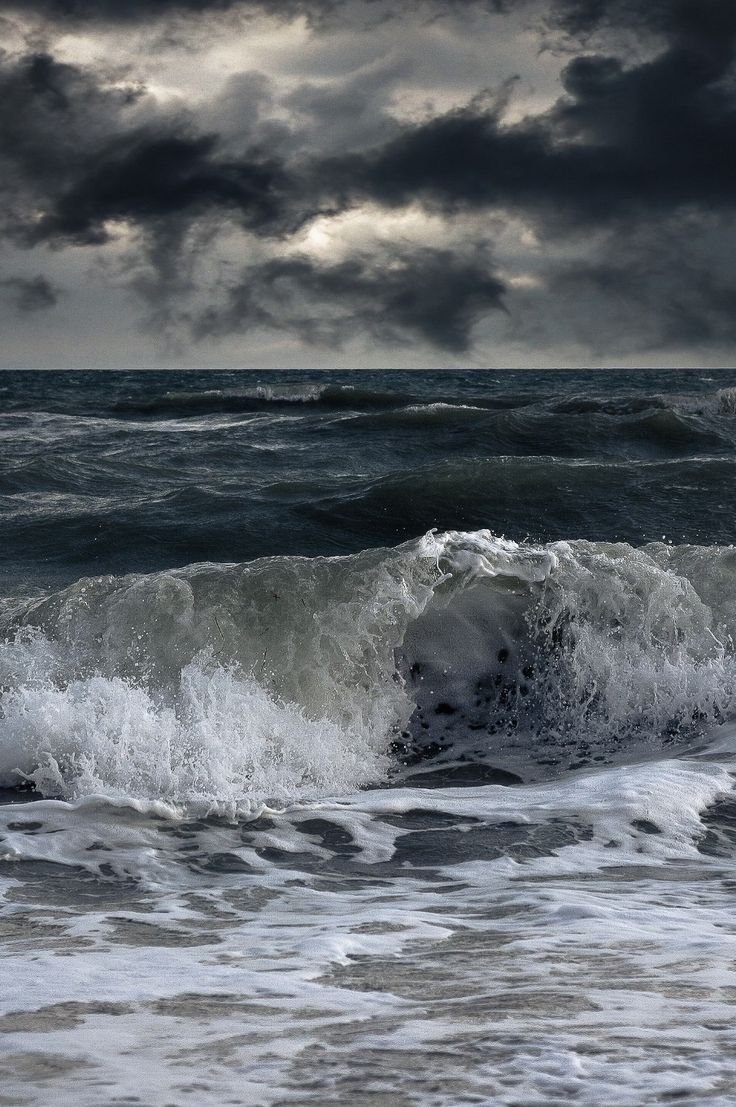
319	183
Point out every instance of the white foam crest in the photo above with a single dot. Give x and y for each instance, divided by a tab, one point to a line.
596	644
669	794
726	401
216	684
469	555
290	393
629	641
223	743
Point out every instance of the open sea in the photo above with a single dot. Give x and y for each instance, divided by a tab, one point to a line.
368	738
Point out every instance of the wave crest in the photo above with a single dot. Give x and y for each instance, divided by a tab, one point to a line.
218	685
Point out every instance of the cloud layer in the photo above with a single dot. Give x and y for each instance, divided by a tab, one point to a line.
347	201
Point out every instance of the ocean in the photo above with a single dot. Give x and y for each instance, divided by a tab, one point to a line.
368	738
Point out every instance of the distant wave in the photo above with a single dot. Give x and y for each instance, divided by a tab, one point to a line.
649	424
439	414
564	429
257	398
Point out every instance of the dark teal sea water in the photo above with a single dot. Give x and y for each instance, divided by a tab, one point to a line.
120	472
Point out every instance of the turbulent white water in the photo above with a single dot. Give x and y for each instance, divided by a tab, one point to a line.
543	944
221	686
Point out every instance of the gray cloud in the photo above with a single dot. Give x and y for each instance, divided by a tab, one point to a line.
621	143
76	157
65	12
114	11
655	286
30	294
632	147
399	296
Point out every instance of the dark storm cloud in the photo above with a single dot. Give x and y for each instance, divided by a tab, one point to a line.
75	159
54	122
701	20
65	14
114	11
576	17
660	308
666	285
53	115
623	142
150	176
30	294
146	11
430	294
632	144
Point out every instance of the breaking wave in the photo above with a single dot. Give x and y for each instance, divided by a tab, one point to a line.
219	685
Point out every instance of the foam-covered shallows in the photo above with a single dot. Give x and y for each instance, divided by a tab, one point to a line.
221	685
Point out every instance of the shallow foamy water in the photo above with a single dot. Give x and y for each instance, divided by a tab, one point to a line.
565	942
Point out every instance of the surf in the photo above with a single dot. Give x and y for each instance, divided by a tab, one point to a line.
292	677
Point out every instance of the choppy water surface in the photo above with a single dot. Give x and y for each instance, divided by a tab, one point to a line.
368	738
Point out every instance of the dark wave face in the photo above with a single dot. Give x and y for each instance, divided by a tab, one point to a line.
118	472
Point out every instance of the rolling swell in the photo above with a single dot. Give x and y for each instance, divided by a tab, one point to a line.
627	429
186	514
549	496
220	685
259	398
137	472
